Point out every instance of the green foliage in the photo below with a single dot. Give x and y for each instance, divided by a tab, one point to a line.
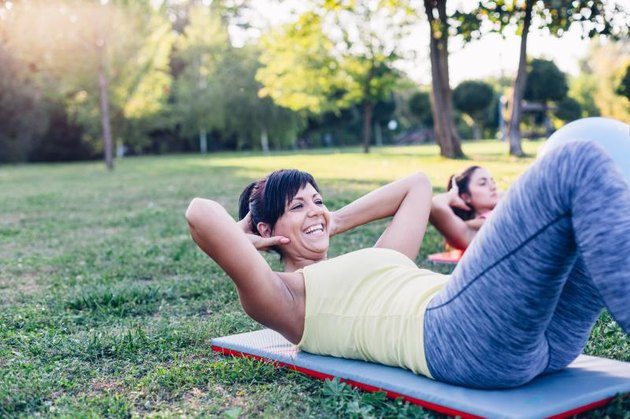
419	104
23	113
623	88
299	68
593	17
215	90
63	140
583	89
342	400
568	109
197	90
416	109
602	67
125	44
545	82
144	90
264	118
473	97
335	56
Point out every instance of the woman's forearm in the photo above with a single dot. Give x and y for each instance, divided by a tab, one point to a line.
453	228
380	203
265	297
218	235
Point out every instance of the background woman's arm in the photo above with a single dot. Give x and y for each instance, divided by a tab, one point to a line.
457	232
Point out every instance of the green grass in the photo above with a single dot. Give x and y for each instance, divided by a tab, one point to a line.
107	308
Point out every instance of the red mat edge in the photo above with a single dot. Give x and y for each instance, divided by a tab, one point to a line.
362	386
391	394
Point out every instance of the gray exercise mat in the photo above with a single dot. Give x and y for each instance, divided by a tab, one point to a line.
587	383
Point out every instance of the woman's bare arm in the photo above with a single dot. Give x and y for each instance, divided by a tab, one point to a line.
457	232
263	294
408	200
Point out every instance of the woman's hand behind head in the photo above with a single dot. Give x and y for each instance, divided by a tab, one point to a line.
267	243
259	242
454	199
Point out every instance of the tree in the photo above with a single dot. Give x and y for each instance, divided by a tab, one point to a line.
473	98
268	125
21	106
299	70
568	109
583	89
594	17
335	56
110	78
545	83
141	90
198	92
419	105
445	131
601	69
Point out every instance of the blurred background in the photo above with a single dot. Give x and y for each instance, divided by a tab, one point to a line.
88	79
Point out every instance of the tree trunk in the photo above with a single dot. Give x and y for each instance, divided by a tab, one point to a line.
378	134
264	141
445	131
500	106
547	120
105	119
476	129
367	123
203	141
514	129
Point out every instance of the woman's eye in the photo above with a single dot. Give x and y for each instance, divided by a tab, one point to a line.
297	206
319	202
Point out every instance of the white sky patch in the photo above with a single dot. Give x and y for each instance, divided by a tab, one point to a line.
495	56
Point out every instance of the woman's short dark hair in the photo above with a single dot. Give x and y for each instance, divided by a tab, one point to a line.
463	184
266	198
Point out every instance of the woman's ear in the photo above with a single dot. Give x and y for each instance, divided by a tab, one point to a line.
466	197
263	229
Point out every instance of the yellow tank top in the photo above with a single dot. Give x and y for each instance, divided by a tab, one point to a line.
369	305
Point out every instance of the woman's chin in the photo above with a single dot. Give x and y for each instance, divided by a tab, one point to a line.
319	248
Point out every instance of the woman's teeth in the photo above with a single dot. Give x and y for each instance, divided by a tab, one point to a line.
311	229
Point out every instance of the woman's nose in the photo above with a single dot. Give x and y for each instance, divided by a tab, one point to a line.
315	210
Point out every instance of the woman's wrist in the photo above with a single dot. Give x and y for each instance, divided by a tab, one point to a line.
441	201
334	224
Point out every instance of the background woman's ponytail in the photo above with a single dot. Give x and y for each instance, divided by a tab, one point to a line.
243	203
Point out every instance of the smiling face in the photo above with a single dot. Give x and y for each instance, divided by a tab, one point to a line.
482	192
305	222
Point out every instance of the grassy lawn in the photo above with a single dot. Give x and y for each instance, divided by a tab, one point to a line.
107	308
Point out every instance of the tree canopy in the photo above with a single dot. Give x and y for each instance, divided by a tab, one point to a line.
545	82
474	98
334	56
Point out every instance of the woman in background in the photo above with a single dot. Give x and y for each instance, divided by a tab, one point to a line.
460	212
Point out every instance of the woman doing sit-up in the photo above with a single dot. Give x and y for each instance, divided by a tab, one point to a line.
521	302
469	200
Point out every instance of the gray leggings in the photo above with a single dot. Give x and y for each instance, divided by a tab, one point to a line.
525	296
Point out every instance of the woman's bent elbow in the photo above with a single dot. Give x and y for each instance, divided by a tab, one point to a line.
193	210
421	180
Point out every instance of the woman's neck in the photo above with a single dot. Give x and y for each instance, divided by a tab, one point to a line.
483	213
293	264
